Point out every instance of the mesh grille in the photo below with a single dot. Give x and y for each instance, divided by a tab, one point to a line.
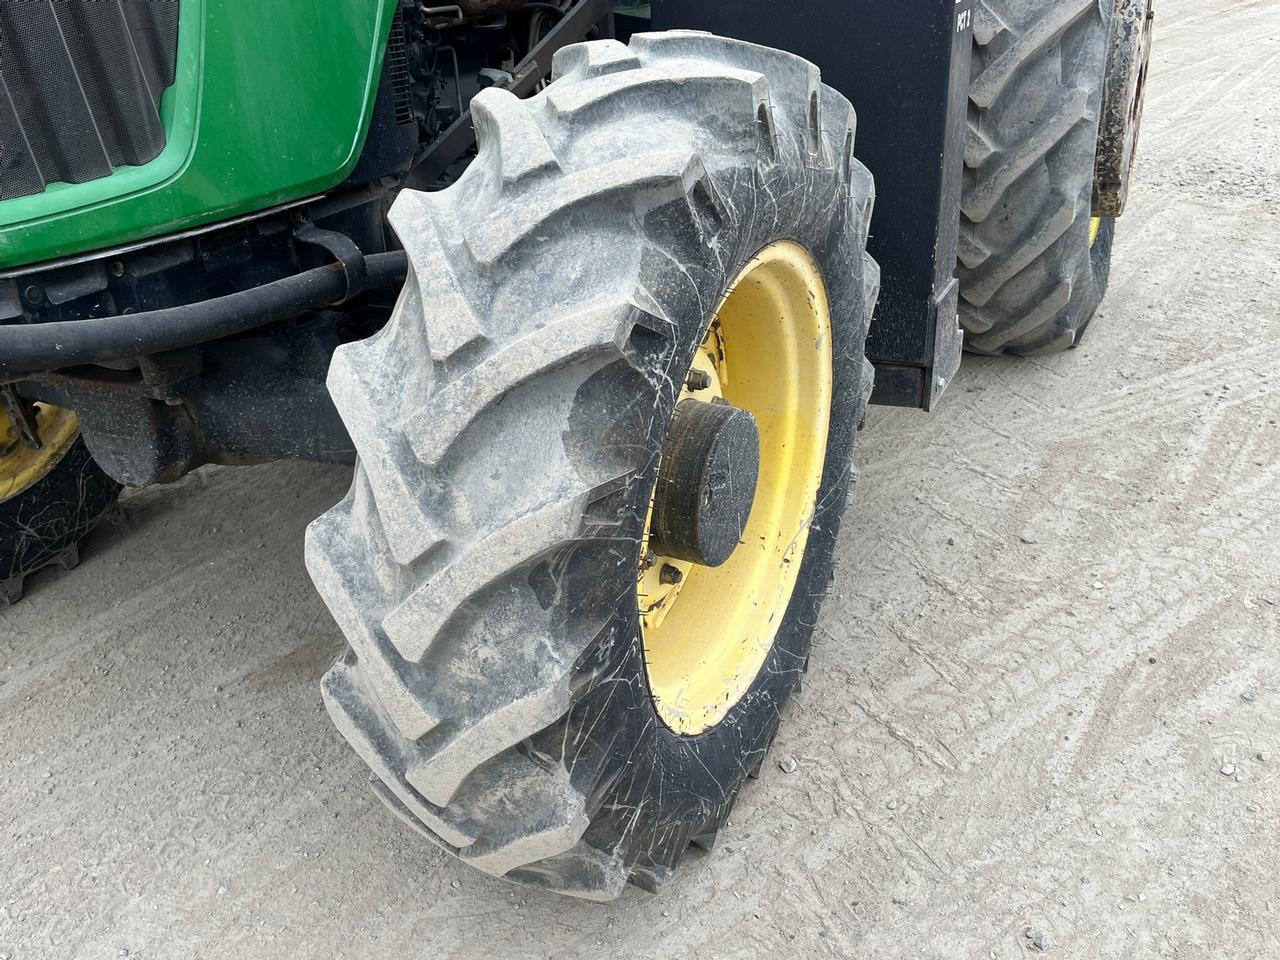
399	67
80	88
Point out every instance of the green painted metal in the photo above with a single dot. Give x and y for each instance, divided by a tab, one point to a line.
271	103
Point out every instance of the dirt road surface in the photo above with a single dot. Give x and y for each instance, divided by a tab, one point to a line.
1055	622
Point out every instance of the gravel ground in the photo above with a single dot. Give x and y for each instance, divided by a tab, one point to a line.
1041	696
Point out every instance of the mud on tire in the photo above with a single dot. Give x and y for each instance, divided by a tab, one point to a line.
508	421
1030	279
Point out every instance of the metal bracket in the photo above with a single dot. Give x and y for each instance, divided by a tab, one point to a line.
911	385
948	344
22	412
344	250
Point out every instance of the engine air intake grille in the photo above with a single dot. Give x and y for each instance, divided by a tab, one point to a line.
80	88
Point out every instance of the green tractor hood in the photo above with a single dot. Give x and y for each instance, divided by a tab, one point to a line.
253	104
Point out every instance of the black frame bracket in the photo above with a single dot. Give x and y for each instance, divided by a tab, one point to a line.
343	250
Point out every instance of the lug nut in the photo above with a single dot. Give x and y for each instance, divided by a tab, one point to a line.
670	575
698	380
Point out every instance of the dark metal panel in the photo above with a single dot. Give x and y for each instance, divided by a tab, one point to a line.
80	88
905	67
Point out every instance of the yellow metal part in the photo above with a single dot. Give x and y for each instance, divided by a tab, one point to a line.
21	468
1094	226
768	351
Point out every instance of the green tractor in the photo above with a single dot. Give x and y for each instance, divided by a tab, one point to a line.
584	292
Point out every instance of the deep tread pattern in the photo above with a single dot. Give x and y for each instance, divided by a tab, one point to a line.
1047	27
504	420
523	152
433	430
986	193
1036	93
425	613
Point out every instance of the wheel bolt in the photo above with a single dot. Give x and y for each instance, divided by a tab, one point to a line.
670	575
698	380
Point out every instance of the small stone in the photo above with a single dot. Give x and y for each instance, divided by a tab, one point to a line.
1248	696
1142	898
124	952
787	764
1027	538
456	884
1251	808
951	541
1151	659
1264	756
1039	941
1098	584
1228	770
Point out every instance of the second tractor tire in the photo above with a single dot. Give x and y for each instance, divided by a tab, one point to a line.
1033	263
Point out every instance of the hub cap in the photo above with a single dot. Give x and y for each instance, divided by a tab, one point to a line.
706	484
766	362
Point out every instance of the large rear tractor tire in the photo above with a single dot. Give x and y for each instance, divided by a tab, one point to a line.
1034	260
50	497
572	626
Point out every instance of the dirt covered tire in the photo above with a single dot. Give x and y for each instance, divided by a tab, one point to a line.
509	421
1030	277
43	524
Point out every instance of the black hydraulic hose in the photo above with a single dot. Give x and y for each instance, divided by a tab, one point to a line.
35	347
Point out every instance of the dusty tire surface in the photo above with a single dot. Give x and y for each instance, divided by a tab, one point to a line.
44	524
1030	279
509	419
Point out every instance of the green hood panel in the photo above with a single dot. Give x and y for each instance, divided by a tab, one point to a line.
271	103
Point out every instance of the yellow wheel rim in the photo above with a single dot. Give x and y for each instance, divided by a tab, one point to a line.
708	630
21	468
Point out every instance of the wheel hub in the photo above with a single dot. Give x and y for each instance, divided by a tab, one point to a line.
707	482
